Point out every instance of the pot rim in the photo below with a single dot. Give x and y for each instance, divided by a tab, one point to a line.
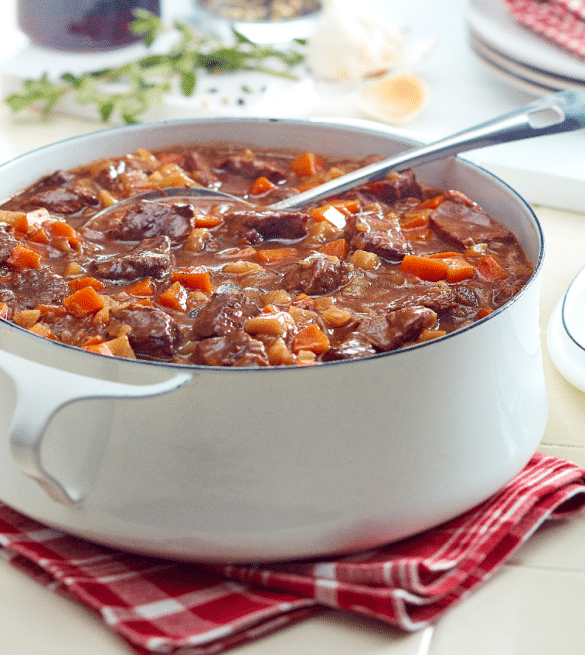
362	126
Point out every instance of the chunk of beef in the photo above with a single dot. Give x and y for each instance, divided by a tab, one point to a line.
252	168
149	219
58	192
235	349
355	345
199	168
465	223
150	258
439	297
389	331
317	275
58	178
223	313
255	226
465	295
153	333
109	178
7	245
396	186
508	288
33	286
366	231
64	200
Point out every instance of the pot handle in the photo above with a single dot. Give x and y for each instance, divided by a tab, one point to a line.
58	388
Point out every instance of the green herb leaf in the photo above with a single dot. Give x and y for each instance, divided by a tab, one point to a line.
188	81
106	110
142	84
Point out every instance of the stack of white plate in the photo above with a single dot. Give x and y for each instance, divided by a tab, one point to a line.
518	55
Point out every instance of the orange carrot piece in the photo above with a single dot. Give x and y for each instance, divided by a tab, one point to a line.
4	310
415	223
432	203
21	225
93	341
146	302
143	287
331	214
175	297
62	229
307	164
270	256
426	268
195	279
458	268
81	282
483	312
261	185
99	348
311	338
22	257
337	248
40	236
346	206
207	221
84	302
43	331
489	269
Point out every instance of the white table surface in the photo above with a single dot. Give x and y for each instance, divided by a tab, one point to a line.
533	606
549	170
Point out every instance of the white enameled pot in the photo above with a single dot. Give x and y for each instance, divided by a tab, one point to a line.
211	464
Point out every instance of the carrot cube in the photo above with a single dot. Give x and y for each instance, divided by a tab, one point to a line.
261	186
197	278
311	338
143	287
84	302
175	297
22	257
307	164
337	248
426	268
270	256
489	269
81	282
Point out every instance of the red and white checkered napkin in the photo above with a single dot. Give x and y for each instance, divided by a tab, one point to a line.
167	607
561	21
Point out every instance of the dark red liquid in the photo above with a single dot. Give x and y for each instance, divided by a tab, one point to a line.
81	25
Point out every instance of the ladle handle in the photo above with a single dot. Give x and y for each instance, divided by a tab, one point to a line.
559	112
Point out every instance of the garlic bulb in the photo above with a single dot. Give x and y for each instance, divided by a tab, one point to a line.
348	44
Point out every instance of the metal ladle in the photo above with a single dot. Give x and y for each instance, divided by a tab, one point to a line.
551	114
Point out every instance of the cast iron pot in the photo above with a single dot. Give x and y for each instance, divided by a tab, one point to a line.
212	464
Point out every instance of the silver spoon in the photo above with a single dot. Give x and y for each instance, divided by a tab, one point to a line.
552	114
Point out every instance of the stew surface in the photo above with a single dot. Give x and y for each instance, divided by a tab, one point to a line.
390	264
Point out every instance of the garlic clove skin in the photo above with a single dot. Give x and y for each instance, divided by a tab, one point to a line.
349	45
394	99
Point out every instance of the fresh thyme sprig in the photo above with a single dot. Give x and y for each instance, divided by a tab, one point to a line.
130	90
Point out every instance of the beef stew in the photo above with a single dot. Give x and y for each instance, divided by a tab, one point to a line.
388	265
